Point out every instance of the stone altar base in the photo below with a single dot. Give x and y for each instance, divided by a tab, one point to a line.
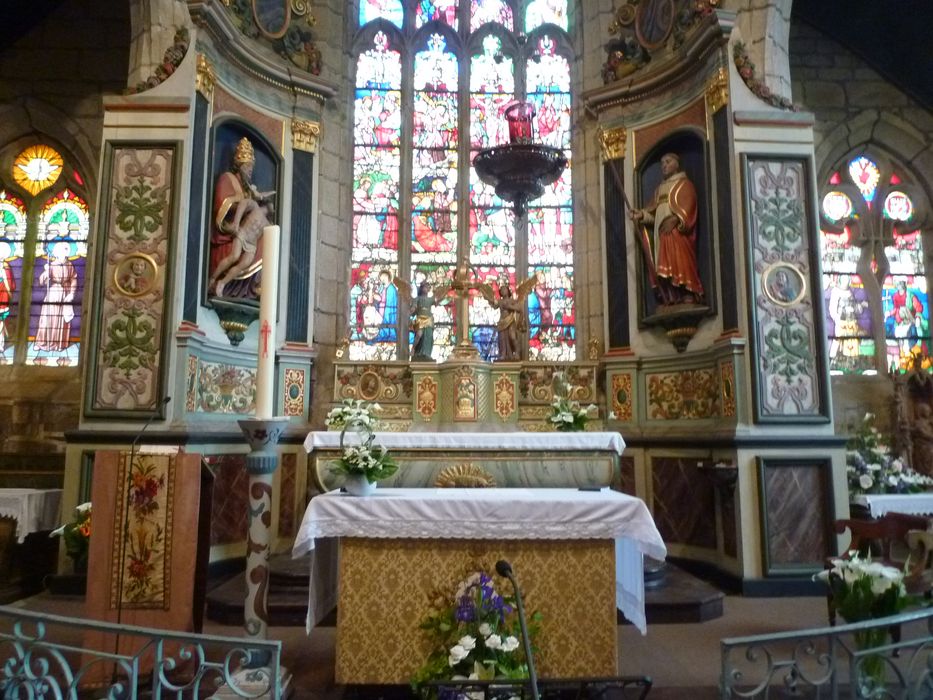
679	598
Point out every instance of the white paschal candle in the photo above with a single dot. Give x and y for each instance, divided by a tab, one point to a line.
268	306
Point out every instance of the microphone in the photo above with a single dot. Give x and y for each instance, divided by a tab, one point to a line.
152	417
504	569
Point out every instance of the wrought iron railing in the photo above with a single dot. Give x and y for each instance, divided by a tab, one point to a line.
53	657
886	658
613	688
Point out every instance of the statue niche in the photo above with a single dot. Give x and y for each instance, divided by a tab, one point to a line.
670	222
244	171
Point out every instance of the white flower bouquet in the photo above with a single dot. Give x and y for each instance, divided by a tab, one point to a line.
352	412
569	416
871	468
863	589
366	459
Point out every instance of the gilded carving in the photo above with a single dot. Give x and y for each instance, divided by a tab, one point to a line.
464	476
305	135
613	143
727	374
621	399
372	382
465	396
688	395
427	397
505	397
205	77
135	275
191	392
294	391
717	91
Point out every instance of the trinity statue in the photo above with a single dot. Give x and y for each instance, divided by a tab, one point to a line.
241	212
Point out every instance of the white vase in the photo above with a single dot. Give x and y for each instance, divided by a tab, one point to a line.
359	485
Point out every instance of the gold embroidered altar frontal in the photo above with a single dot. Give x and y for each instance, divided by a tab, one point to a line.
385	588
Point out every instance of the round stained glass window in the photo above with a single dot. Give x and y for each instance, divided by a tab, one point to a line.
897	206
37	168
837	206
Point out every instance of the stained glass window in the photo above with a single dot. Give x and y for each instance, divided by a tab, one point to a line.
12	238
37	168
422	113
875	288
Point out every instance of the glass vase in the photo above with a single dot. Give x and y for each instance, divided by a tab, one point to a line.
870	671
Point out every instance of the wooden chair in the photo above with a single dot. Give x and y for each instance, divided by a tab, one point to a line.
886	540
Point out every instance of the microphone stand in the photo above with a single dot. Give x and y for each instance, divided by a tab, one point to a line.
503	568
126	530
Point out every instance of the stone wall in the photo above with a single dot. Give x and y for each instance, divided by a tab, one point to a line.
51	81
856	107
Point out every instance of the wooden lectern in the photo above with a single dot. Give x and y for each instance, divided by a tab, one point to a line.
149	548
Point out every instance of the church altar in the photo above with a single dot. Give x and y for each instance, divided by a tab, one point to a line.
576	554
911	503
524	459
34	510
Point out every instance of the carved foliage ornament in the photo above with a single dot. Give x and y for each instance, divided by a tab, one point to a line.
612	142
647	28
284	25
305	135
746	69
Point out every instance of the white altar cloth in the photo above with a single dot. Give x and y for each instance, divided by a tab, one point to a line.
552	442
511	513
34	510
911	503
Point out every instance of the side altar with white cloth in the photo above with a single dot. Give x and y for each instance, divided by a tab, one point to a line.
521	459
577	555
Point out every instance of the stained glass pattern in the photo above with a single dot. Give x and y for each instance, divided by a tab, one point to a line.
897	206
436	11
390	10
852	345
837	206
860	261
12	238
546	12
58	282
417	130
485	11
865	175
37	168
906	310
551	307
374	307
373	299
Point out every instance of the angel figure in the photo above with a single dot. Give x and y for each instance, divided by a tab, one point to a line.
512	323
422	317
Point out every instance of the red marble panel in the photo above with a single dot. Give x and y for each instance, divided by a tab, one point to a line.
627	478
730	533
796	504
684	502
229	511
287	505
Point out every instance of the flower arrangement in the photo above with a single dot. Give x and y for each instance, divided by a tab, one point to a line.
367	460
350	412
77	535
865	590
569	416
871	468
475	635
